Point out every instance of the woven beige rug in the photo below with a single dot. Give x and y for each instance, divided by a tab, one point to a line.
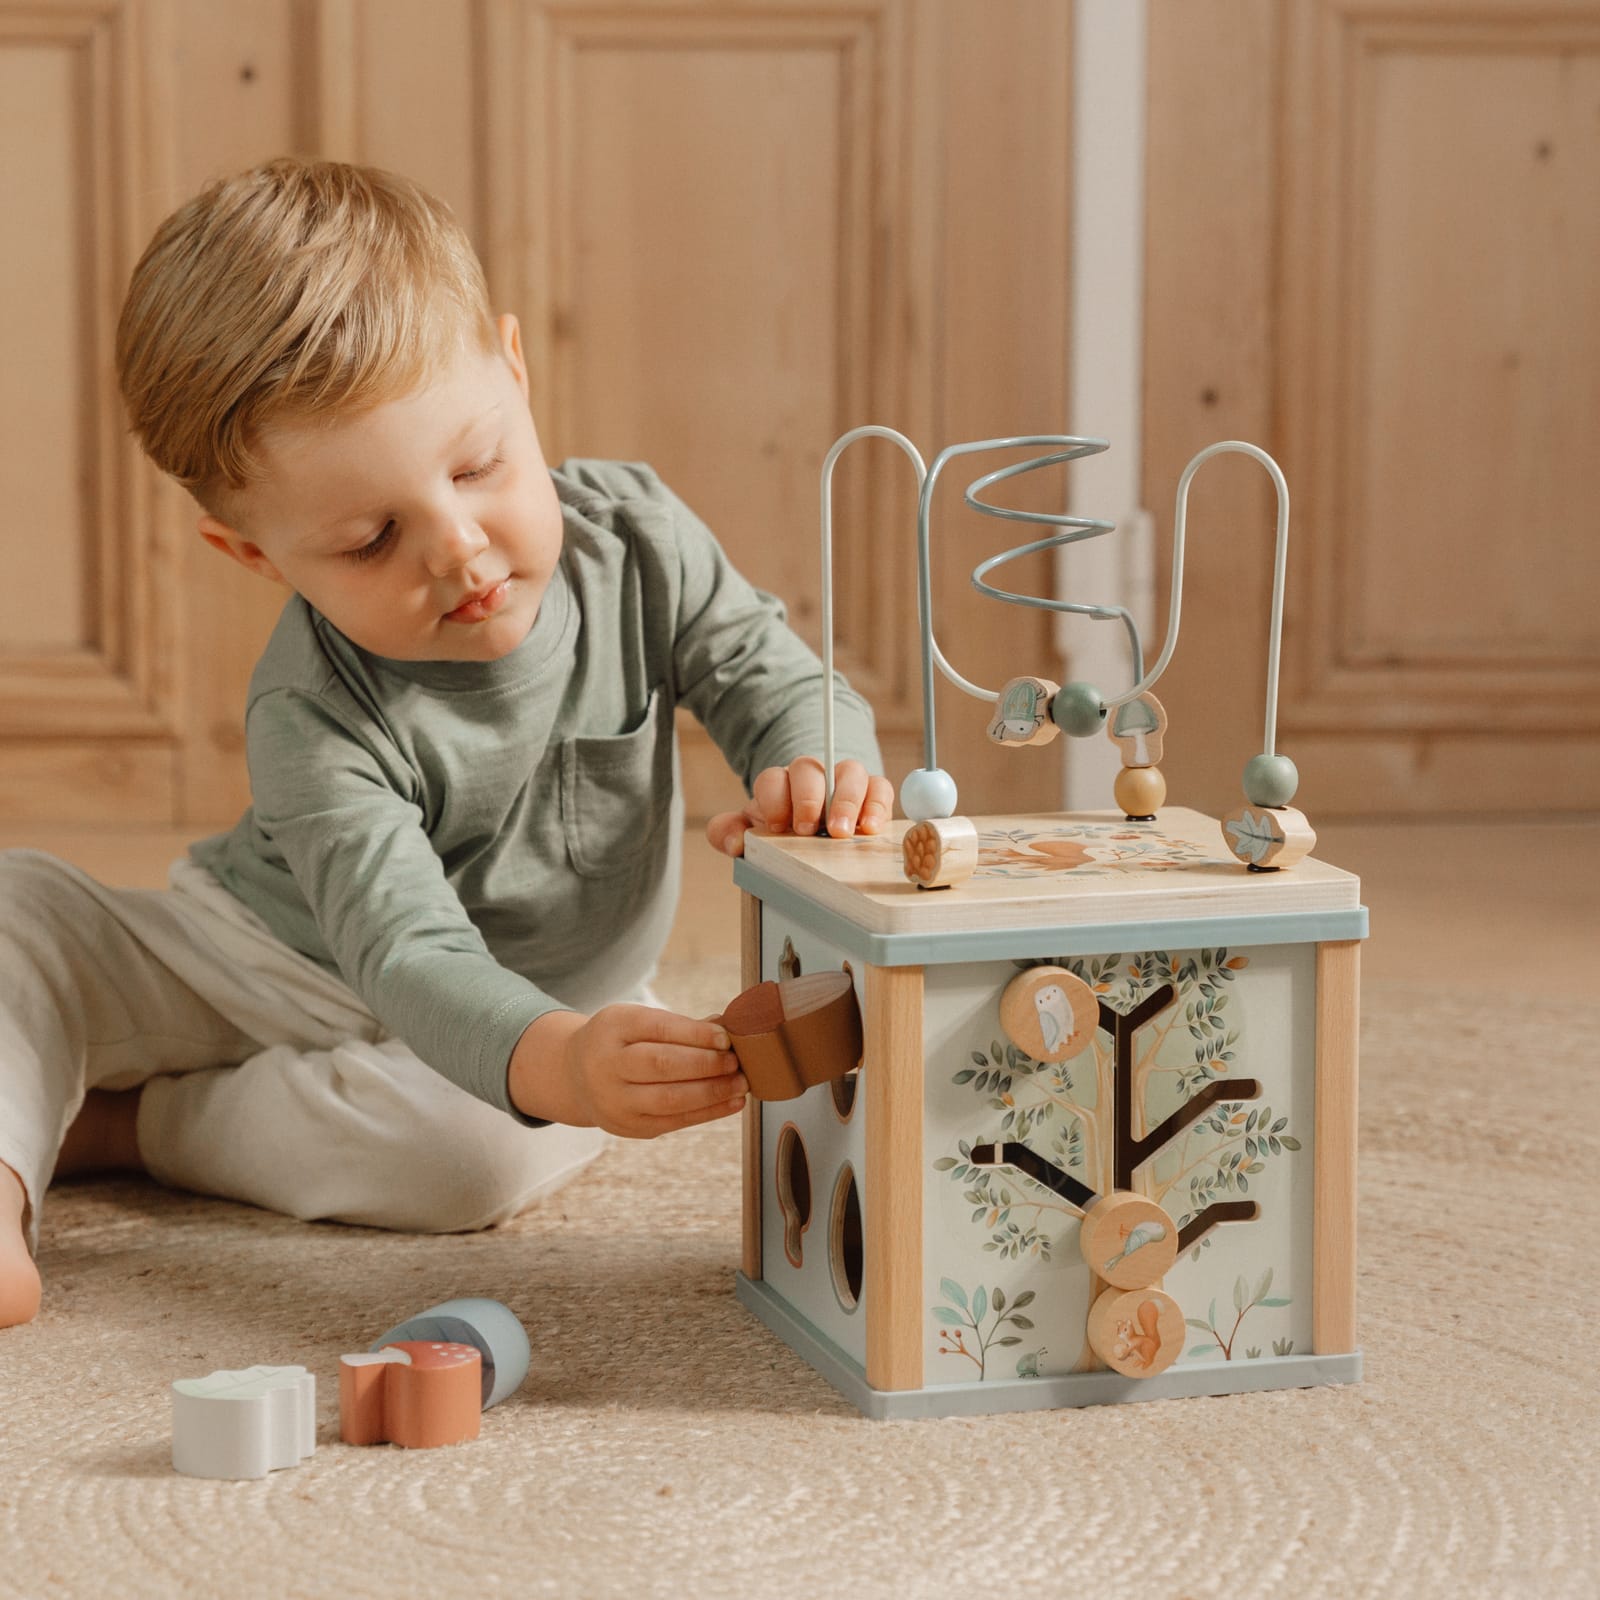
665	1444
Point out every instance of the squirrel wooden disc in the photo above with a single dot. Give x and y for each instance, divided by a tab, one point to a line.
1050	1013
1128	1240
1137	1332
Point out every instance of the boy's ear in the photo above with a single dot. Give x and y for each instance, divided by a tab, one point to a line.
232	543
511	343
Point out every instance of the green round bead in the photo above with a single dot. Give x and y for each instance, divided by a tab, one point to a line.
1270	780
1078	709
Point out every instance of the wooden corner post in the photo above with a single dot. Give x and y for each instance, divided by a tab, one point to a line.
1333	1251
750	975
892	1269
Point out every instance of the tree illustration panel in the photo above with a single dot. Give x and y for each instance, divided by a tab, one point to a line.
1006	1288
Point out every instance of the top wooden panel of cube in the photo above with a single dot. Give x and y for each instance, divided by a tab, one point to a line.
1061	869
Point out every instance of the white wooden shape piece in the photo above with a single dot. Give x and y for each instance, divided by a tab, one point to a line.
245	1423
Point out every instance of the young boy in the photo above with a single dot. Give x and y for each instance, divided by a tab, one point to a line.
408	988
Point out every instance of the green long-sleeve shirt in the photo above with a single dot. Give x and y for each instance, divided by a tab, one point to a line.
472	844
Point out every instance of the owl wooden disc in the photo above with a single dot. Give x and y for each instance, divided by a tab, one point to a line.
1050	1013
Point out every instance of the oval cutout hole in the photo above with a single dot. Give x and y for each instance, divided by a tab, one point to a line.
846	1252
794	1190
843	1090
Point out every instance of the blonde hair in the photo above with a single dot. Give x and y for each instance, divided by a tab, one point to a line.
296	289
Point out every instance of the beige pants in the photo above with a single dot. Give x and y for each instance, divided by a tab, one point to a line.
265	1078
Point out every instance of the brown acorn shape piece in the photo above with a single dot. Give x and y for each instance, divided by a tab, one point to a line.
792	1035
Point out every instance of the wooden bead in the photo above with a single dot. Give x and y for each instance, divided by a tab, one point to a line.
1136	729
1140	791
1128	1240
940	852
1268	837
1022	712
1137	1332
1050	1013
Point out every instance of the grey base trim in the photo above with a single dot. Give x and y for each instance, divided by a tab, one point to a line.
1005	944
1034	1394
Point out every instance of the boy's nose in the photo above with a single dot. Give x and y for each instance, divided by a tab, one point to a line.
453	545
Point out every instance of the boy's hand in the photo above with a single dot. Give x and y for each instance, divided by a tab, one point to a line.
633	1070
789	800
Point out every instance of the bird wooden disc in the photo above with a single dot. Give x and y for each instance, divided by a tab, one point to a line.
1128	1240
1050	1013
1137	1332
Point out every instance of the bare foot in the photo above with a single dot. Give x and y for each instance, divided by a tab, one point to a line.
19	1277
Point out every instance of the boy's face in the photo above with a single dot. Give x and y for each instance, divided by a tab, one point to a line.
424	529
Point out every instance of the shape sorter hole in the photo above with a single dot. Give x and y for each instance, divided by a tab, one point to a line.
845	1248
794	1190
843	1091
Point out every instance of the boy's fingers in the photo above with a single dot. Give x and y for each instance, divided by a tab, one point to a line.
726	830
654	1127
654	1064
769	798
849	790
673	1099
650	1025
808	789
878	806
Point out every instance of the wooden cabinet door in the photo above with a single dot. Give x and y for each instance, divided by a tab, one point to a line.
732	231
1371	245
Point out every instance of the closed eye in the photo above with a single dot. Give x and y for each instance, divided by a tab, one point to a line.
374	547
481	471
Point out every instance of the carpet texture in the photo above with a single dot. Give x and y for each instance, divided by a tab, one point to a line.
666	1444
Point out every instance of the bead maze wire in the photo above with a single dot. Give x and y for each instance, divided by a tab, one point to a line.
1060	448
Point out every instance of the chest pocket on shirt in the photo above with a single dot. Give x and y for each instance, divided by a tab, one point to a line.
616	792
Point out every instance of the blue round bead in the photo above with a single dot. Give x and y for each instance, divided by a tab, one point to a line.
928	793
1078	709
1270	780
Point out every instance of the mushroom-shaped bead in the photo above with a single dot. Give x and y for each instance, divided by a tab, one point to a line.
1078	709
928	792
1270	780
419	1393
1137	730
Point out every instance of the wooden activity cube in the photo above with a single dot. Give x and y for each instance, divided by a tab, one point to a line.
913	1230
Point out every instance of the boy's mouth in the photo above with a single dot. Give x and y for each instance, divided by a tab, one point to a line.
481	605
